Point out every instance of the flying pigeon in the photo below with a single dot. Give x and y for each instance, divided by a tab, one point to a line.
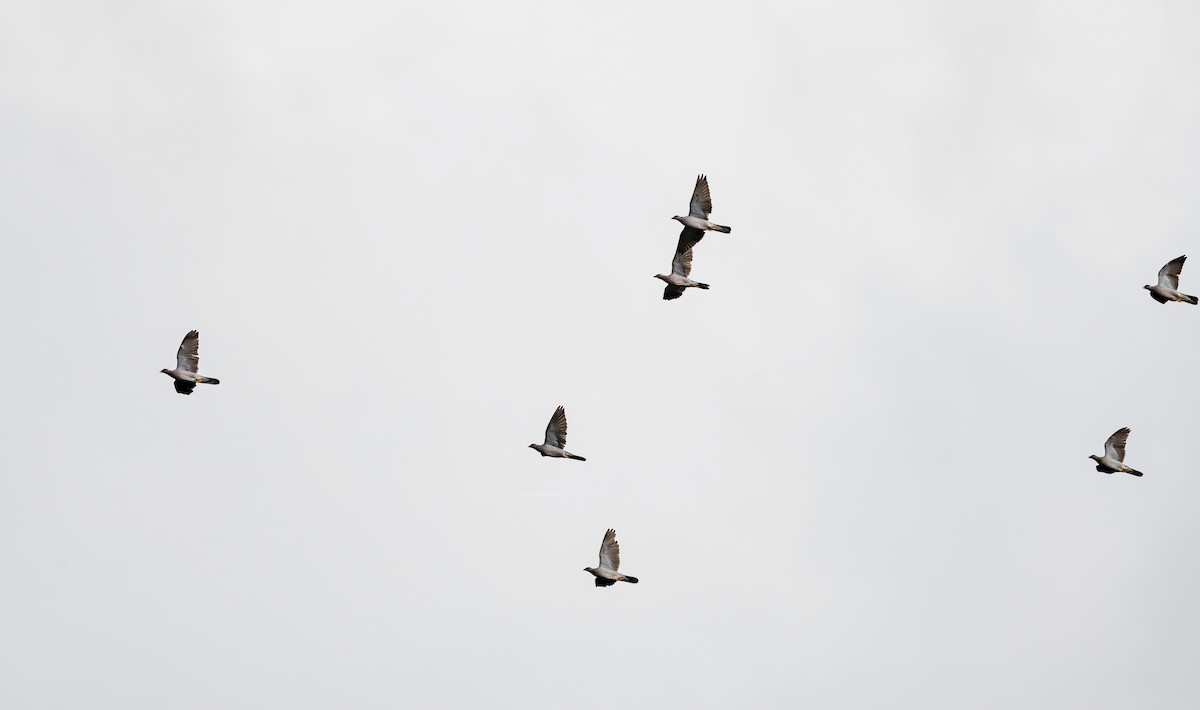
678	280
1114	454
556	438
696	223
187	362
1167	288
610	559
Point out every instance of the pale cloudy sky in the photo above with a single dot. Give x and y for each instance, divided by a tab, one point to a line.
853	474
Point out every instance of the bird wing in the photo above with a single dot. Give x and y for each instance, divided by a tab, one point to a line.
1114	448
1168	275
670	293
184	387
701	201
681	265
188	357
556	430
610	551
688	238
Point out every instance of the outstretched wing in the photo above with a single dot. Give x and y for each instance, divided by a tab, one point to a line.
688	238
1168	275
556	430
610	551
670	293
184	387
188	357
1114	448
681	265
701	202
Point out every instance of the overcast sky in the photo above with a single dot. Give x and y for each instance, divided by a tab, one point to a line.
852	474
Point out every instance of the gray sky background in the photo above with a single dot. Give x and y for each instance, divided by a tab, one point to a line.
852	474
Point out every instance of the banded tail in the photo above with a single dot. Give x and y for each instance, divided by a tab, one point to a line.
573	456
631	580
719	228
208	380
1190	299
702	286
1134	472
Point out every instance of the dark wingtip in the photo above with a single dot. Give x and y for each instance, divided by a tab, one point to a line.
631	580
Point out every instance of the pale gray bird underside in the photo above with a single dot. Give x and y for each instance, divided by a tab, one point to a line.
187	364
556	438
1167	288
606	573
1113	459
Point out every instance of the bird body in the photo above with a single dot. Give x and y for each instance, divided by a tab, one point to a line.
556	438
187	363
1167	288
1113	458
606	573
702	225
554	451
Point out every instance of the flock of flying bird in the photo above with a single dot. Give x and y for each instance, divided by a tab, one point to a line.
695	224
1167	289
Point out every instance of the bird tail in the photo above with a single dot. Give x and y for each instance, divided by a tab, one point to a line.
1134	472
573	456
631	580
702	286
1191	299
719	228
208	380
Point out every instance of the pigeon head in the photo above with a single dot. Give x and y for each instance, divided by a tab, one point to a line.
589	569
1147	287
677	218
1093	457
660	276
165	371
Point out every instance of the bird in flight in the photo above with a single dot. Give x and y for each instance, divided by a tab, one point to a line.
187	363
696	223
610	559
556	438
1113	459
1167	288
681	267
